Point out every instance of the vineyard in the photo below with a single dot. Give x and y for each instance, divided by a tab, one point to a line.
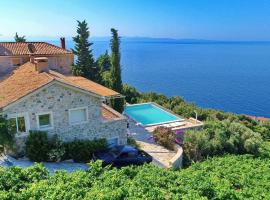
228	177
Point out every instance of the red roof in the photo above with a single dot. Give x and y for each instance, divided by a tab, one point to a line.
37	48
259	118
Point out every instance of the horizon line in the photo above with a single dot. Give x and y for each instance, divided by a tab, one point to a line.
140	38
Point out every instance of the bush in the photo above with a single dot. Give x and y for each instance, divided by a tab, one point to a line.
82	150
264	150
37	146
131	141
165	137
264	129
195	146
218	138
40	149
130	93
56	150
6	135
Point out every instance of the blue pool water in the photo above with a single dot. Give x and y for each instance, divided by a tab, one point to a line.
148	114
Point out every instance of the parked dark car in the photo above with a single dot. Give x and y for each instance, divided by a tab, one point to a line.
123	155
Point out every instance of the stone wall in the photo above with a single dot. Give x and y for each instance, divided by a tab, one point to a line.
59	99
177	161
61	64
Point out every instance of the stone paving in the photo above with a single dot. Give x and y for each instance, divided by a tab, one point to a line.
161	156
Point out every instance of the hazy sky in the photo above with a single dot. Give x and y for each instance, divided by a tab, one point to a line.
201	19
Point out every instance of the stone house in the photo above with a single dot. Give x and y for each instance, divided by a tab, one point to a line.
14	54
35	97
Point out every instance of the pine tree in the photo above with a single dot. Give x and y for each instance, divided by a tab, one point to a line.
116	79
18	38
85	65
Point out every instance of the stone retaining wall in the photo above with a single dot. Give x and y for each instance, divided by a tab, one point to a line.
176	161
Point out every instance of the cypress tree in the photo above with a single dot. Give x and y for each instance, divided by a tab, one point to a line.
116	79
85	64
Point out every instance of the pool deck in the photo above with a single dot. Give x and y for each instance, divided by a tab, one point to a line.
190	123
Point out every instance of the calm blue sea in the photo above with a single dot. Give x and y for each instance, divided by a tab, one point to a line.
233	77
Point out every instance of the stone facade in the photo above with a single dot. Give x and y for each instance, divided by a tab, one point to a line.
58	99
59	63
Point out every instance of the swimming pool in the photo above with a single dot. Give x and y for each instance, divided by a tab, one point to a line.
149	114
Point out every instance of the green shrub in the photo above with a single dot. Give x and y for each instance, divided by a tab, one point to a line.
131	141
165	137
56	150
218	138
6	135
195	146
264	150
130	93
37	146
40	149
264	129
82	150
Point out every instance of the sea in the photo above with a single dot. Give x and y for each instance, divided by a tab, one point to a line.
229	76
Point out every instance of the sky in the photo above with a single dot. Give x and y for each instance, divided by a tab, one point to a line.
192	19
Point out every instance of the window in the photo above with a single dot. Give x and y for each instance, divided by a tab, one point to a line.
17	124
132	154
112	142
78	115
124	155
45	121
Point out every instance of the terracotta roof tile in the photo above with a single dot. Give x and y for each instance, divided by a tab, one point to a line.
26	79
21	48
23	81
258	118
109	114
84	84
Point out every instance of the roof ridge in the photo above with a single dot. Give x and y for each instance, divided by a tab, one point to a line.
47	74
24	42
57	46
15	47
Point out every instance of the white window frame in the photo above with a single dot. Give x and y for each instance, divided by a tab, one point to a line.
51	121
79	108
26	121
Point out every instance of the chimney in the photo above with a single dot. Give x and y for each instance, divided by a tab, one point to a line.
41	64
63	43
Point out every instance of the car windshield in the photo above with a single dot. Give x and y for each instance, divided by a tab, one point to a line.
115	151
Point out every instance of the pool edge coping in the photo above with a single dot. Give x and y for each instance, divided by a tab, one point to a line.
181	119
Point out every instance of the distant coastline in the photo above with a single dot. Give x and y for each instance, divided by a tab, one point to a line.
143	40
